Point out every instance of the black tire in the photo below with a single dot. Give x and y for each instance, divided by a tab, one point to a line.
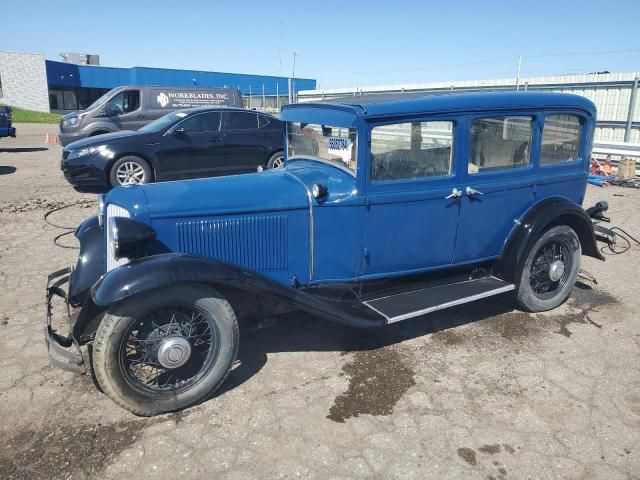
139	164
538	290
276	160
112	348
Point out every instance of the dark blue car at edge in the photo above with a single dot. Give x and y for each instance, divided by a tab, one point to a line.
193	143
384	211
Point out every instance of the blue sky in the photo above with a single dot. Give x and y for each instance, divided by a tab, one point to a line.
340	43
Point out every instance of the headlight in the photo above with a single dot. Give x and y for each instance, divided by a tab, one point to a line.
128	238
70	122
101	149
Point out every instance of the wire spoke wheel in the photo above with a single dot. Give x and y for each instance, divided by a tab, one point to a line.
130	173
169	350
550	269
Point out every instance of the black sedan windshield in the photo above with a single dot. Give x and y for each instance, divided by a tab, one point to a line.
163	122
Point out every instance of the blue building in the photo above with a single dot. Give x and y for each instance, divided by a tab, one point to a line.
73	87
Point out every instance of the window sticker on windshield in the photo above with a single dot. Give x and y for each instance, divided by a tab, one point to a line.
181	114
340	147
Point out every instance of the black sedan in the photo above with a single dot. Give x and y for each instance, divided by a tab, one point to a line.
194	143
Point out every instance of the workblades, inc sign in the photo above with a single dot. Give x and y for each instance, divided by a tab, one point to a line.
189	99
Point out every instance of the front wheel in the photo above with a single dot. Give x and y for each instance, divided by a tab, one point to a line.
550	270
165	350
130	170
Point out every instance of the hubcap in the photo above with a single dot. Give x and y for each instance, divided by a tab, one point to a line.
130	173
556	270
278	162
174	352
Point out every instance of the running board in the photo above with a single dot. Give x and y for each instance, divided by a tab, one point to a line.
403	306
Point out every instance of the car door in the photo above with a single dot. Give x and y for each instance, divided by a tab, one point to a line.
246	144
412	196
499	183
125	111
192	148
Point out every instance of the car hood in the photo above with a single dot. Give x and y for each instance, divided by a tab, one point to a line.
269	191
107	138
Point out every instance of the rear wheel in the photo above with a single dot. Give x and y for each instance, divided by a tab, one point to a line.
165	350
130	170
550	270
276	160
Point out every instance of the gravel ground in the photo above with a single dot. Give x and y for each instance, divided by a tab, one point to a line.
481	391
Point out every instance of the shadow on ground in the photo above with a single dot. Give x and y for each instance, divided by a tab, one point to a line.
6	170
23	149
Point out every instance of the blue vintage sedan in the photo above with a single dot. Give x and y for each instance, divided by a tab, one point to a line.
386	210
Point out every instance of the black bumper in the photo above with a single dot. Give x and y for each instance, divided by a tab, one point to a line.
64	352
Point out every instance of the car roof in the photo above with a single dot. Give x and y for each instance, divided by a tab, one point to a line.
407	104
194	110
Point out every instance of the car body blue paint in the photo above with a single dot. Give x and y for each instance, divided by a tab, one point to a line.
269	222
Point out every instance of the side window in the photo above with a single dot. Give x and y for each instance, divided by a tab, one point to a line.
125	102
560	139
204	122
404	151
242	121
263	121
500	143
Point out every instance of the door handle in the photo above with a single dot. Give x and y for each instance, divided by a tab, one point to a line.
216	139
455	193
472	191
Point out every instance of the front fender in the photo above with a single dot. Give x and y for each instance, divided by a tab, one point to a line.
90	265
162	270
549	212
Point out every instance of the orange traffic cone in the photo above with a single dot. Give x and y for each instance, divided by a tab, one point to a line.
56	140
47	139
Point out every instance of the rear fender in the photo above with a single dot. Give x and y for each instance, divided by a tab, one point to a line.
541	216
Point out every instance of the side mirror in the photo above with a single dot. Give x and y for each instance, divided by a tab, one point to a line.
178	132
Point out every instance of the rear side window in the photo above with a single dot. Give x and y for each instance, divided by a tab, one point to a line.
242	121
500	143
560	139
404	151
263	121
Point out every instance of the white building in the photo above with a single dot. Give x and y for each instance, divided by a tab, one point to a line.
613	93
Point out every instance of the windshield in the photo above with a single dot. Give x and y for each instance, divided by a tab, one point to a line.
163	122
99	101
336	145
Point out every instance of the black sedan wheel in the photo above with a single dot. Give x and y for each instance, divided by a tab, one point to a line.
550	270
165	350
130	170
276	160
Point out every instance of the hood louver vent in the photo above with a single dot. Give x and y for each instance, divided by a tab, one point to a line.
255	242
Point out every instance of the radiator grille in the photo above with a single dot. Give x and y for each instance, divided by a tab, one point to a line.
255	242
114	211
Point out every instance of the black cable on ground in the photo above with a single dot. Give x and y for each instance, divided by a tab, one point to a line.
622	235
68	230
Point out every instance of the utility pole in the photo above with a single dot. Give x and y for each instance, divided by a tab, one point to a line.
293	78
519	70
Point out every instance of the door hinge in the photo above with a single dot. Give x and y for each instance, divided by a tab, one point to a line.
365	254
367	203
